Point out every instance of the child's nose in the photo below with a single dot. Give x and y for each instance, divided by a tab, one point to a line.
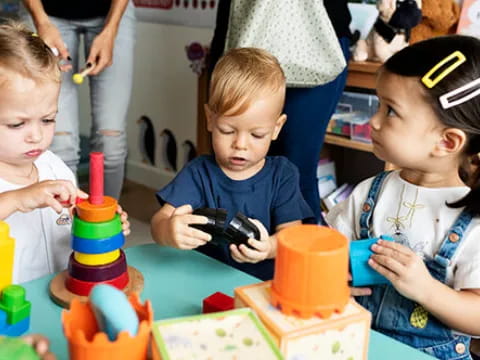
375	121
240	142
35	135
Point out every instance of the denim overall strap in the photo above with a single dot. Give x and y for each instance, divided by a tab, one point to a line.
369	205
441	260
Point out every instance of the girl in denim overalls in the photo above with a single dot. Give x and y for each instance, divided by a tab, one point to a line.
428	125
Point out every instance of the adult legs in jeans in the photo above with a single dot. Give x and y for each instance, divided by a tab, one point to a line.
109	95
301	139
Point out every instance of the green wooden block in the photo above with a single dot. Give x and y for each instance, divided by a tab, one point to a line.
14	304
15	348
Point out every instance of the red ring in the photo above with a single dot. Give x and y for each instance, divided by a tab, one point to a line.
83	288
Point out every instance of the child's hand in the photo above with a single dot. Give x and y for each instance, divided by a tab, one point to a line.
124	218
359	291
41	345
56	194
405	269
262	249
182	236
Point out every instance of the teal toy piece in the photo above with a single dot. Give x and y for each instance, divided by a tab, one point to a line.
362	273
15	348
98	230
113	311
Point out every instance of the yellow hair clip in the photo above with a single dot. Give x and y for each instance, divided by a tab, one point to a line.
460	59
34	34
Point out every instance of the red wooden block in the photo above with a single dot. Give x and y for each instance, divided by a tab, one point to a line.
217	302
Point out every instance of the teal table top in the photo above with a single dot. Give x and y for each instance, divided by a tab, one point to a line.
176	282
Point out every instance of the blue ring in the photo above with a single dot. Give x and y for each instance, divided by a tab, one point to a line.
98	246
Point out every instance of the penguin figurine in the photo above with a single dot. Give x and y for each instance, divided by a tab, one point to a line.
168	150
189	151
146	140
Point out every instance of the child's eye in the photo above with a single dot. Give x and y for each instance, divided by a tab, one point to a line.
15	126
258	136
390	111
225	132
48	121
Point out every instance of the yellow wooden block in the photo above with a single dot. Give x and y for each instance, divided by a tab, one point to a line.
341	336
7	249
97	259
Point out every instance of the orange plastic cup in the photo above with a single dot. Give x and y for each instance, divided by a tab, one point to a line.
85	342
311	271
97	213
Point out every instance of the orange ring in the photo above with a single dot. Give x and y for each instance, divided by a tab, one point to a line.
97	213
82	288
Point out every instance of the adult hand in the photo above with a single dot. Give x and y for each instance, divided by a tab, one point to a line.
101	51
405	269
51	36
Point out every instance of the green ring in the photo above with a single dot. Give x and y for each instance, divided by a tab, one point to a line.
100	230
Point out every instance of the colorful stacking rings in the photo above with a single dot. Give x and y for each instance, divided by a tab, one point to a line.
97	273
99	230
97	246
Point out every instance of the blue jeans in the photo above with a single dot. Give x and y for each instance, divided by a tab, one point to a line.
301	139
109	97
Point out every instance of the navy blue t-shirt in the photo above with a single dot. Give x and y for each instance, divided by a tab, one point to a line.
271	196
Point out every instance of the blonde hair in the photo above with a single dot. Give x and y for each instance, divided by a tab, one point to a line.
25	53
240	76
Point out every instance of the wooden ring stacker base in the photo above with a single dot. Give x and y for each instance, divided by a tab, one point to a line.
62	297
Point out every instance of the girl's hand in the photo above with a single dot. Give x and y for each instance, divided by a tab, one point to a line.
56	194
124	218
51	36
405	269
41	345
262	249
182	236
359	291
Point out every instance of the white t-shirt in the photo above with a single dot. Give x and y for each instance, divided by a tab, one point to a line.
421	215
42	237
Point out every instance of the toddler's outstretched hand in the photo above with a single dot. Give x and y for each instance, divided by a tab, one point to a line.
405	269
124	218
56	194
41	345
182	236
262	249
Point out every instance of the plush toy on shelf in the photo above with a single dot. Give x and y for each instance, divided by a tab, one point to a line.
439	17
391	31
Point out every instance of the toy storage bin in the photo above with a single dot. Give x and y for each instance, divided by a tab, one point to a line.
355	109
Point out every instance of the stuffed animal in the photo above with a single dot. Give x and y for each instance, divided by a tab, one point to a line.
439	17
391	31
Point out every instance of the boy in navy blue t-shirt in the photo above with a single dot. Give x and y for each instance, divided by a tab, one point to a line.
244	114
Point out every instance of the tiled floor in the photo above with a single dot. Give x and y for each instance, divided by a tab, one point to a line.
140	203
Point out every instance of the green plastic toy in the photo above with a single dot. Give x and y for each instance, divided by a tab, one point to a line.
12	348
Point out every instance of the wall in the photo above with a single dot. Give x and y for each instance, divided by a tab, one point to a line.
164	89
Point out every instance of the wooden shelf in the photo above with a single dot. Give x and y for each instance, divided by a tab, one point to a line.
342	141
361	74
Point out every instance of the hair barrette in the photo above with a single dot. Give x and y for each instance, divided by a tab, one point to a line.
460	95
451	62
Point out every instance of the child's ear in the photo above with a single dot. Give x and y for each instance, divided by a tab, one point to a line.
452	141
209	116
278	126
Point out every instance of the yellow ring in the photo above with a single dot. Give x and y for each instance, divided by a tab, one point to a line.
96	259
